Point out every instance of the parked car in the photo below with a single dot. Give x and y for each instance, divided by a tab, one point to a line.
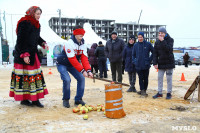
193	60
178	59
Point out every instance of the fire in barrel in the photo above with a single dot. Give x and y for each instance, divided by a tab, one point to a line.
113	95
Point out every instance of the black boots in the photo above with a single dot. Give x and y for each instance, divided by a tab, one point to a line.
37	103
142	93
131	89
79	102
26	102
66	103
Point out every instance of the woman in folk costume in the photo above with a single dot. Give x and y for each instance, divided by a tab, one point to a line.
27	80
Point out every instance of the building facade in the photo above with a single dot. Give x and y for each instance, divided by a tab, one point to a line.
103	28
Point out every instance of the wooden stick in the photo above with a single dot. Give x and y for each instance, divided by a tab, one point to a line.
111	81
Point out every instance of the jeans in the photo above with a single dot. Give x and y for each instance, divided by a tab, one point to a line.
116	67
169	73
143	78
67	80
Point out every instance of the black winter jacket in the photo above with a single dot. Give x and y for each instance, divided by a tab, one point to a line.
99	52
114	50
28	38
163	53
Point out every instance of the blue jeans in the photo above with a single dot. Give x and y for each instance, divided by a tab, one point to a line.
67	80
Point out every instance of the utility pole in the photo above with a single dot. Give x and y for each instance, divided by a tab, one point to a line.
139	20
1	63
59	10
12	30
4	17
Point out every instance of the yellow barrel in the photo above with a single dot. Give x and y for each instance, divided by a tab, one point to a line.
113	95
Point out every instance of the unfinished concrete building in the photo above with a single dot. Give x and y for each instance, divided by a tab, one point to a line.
103	28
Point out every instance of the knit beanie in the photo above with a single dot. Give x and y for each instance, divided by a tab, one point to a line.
132	37
162	29
141	33
114	32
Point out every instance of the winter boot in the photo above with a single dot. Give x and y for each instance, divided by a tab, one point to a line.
130	89
26	102
38	104
157	96
169	96
134	90
66	103
79	102
143	93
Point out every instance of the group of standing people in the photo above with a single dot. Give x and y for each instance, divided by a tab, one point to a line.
27	80
97	60
138	57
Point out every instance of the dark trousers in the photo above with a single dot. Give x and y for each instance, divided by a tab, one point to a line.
123	67
143	78
132	78
102	67
186	63
95	67
116	67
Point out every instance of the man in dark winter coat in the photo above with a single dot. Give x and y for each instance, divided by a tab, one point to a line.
129	66
142	60
163	59
99	53
113	50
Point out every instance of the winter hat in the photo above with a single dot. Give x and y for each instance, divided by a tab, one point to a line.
162	29
132	37
141	33
114	32
100	42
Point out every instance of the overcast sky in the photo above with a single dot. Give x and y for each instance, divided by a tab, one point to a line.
180	16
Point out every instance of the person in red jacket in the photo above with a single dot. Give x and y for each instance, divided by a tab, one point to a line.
74	52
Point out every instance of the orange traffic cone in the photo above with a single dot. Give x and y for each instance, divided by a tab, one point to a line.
50	71
183	77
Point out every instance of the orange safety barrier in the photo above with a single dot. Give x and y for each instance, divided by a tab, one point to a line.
113	95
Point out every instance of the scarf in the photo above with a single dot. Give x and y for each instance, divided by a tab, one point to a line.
30	16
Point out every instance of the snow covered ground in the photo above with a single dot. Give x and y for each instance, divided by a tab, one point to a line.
143	115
